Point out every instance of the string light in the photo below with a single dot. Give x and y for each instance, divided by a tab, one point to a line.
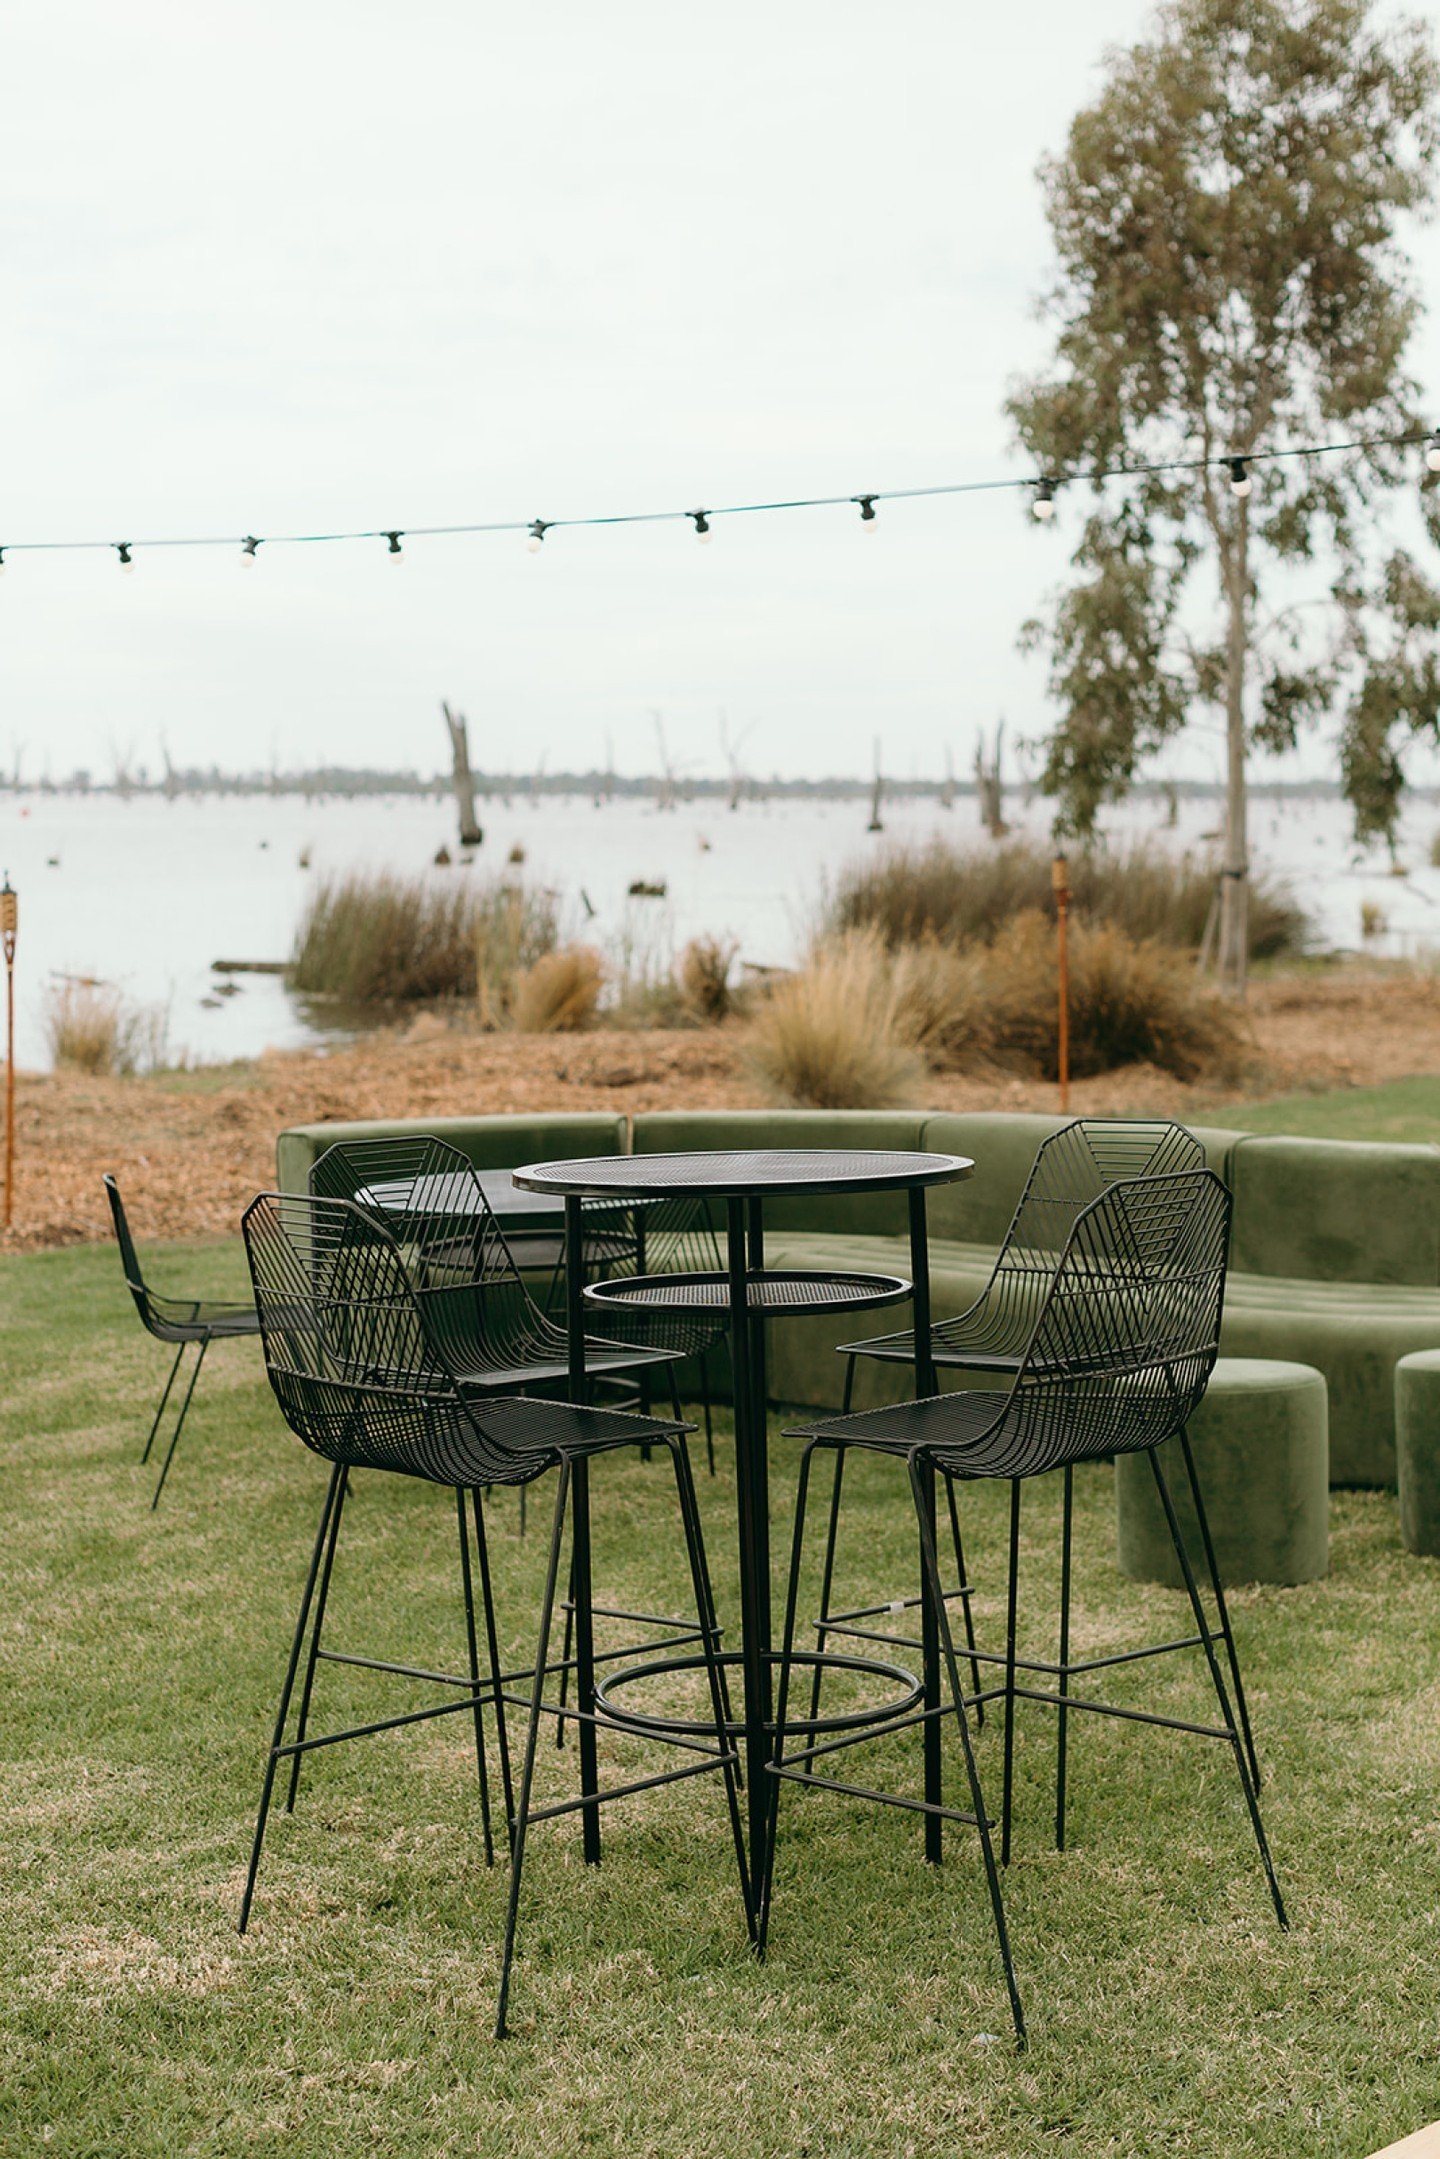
1040	488
248	548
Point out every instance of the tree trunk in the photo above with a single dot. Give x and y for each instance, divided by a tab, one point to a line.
1235	868
470	833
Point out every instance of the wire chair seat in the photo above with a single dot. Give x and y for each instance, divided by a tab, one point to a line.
188	1319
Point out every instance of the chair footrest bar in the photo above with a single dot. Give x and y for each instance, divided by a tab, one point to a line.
623	1791
1087	1664
895	1604
382	1724
1133	1716
886	1799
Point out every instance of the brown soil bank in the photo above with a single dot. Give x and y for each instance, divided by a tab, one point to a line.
191	1149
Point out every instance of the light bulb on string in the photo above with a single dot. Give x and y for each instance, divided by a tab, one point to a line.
1043	506
538	530
1432	451
248	548
122	549
392	543
867	510
702	527
1240	480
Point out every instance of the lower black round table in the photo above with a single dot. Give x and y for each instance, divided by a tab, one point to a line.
746	1292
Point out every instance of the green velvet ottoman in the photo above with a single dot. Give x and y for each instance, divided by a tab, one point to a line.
1262	1453
1417	1449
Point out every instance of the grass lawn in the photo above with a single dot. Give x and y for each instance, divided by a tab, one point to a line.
140	1658
1407	1109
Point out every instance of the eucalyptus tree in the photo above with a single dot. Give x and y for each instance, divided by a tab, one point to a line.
1232	285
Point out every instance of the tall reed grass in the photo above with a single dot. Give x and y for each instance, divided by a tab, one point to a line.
958	897
90	1027
839	1035
375	939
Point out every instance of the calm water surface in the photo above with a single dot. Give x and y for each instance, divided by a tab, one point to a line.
145	893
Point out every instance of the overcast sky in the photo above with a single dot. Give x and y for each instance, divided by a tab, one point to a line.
333	263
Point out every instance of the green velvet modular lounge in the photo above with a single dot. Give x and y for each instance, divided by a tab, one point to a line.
1335	1259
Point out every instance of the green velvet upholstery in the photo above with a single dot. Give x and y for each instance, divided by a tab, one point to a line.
1337	1211
1417	1438
1261	1454
1335	1256
504	1142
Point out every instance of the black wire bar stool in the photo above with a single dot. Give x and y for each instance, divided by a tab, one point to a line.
363	1378
1119	1354
497	1337
185	1321
1073	1167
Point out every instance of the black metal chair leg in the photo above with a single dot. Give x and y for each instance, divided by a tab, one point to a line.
704	1362
930	1681
567	1645
527	1773
963	1579
337	1478
1067	1523
787	1656
1231	1653
180	1425
472	1650
932	1587
164	1398
832	1530
1202	1626
321	1599
492	1644
710	1649
1008	1793
584	1655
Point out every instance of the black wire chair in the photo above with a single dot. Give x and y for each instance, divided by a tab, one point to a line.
1072	1167
497	1337
186	1321
364	1378
1119	1355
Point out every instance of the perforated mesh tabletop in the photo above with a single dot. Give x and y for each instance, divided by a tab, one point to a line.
743	1173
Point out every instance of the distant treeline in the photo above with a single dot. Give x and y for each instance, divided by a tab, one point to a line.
348	781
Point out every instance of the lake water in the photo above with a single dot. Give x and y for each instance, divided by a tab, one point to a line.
145	893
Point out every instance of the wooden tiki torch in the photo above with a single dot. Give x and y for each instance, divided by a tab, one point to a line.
9	923
1060	880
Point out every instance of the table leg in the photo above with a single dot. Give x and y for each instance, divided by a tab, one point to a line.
752	1503
925	1385
581	1589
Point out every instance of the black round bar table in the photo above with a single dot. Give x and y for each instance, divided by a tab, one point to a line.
744	1179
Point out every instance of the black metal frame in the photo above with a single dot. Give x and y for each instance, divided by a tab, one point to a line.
363	1377
187	1322
1118	1359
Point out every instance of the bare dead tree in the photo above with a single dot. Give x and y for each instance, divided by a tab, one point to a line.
665	791
463	778
947	785
877	823
990	784
731	753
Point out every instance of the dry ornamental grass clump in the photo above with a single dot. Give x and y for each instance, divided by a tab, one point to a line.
837	1035
92	1028
559	994
704	973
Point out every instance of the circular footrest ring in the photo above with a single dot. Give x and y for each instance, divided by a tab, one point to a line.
658	1725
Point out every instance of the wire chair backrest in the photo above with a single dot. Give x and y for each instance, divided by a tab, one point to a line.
357	1372
1130	1327
426	1192
1072	1168
129	1257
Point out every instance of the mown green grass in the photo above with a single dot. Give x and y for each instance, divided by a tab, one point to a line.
1407	1109
139	1660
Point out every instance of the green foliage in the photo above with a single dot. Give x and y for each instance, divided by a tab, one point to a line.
1225	218
958	896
